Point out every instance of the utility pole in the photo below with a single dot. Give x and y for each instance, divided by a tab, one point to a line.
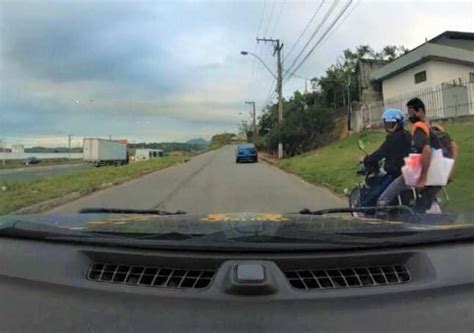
69	145
254	121
349	104
277	50
3	151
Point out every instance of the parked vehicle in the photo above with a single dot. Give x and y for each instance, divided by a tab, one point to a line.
32	160
146	154
373	174
102	152
246	152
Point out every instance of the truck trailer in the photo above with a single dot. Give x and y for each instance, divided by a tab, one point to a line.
101	152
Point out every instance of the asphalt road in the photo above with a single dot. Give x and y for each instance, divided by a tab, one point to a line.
212	182
32	172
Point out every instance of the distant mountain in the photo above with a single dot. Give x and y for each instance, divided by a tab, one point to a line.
198	142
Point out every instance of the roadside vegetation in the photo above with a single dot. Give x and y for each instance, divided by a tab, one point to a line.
335	165
314	119
220	140
15	164
20	194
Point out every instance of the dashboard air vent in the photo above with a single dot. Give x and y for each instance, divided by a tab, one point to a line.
348	277
150	276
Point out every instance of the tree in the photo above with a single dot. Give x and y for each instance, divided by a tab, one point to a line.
309	119
222	139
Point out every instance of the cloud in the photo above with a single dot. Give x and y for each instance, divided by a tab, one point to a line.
99	67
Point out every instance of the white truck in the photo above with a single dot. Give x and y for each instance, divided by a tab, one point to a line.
101	152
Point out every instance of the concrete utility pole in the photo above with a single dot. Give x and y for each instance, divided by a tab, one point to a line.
3	151
349	104
69	145
277	50
254	120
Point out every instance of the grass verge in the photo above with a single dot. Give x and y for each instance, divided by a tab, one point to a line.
335	165
20	194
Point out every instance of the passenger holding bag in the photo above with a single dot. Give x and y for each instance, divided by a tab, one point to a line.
428	139
431	165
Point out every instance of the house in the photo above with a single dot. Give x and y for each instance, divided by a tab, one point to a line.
440	71
145	154
18	149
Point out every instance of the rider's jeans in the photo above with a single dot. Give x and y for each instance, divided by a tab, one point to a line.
374	193
392	191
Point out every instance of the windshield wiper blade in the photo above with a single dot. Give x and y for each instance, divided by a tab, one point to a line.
387	209
129	211
147	236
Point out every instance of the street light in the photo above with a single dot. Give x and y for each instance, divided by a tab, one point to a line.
277	46
261	61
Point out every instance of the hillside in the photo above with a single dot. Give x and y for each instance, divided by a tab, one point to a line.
198	142
336	164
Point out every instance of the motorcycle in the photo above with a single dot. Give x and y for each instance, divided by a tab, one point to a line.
373	175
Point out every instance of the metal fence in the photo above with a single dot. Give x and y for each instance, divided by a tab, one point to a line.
447	100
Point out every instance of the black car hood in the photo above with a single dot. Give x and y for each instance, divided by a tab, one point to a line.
247	222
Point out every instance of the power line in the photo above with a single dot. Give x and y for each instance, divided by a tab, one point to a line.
296	75
305	28
323	21
323	36
269	19
341	22
270	94
264	35
278	19
254	63
263	16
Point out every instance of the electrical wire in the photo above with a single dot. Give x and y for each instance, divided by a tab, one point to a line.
320	25
305	28
341	22
278	19
341	13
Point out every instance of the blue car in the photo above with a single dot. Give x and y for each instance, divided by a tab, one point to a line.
246	152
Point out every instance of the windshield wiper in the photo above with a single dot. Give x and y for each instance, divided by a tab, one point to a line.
387	209
129	211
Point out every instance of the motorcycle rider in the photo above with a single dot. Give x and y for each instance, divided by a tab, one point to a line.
423	141
396	146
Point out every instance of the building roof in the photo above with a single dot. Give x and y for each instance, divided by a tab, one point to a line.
434	49
452	35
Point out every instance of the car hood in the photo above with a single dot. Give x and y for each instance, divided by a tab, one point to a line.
210	223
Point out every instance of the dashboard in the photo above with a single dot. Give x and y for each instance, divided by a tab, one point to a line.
51	287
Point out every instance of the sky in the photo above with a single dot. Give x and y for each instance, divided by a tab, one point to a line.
172	70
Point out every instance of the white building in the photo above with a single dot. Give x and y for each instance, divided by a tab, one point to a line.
145	154
440	71
18	149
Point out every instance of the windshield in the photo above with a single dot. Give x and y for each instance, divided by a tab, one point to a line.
226	115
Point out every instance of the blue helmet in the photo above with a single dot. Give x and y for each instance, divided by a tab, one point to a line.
392	115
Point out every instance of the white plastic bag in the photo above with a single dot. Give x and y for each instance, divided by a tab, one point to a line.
440	169
411	171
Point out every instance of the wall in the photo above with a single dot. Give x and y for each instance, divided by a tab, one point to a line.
369	91
404	83
444	72
437	72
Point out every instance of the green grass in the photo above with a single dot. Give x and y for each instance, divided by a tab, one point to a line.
20	194
14	164
335	165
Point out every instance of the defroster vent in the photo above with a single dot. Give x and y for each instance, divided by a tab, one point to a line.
348	277
150	276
